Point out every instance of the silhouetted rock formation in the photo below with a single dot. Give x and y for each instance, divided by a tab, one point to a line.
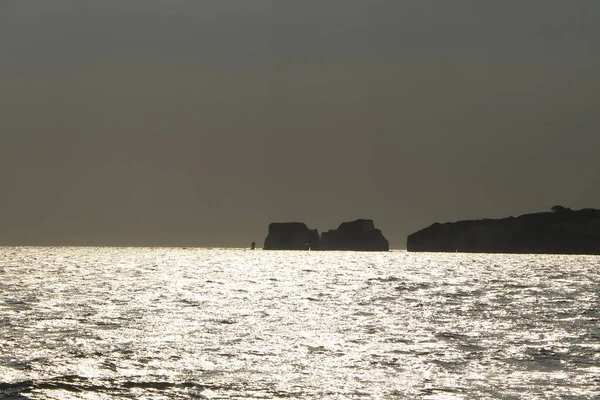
563	231
291	236
356	235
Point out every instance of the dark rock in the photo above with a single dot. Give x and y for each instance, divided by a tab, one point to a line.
356	235
359	235
563	231
291	236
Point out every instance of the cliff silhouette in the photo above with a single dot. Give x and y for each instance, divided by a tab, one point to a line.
358	235
562	231
291	236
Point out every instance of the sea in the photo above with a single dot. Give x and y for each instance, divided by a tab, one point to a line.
211	323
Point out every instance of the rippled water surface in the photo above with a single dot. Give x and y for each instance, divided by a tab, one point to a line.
163	323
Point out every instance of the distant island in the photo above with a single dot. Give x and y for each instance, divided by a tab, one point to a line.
358	235
562	231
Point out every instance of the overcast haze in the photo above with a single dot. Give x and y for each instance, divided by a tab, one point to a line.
199	122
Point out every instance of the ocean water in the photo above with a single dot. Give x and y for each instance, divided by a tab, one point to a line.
167	323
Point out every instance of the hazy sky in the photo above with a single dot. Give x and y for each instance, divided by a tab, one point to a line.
172	122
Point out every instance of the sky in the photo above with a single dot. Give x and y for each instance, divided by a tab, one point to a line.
197	123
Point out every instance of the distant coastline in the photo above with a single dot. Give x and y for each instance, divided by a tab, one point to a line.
561	231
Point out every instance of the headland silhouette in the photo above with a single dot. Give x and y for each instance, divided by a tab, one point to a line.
562	231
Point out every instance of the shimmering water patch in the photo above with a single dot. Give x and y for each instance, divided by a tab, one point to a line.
103	323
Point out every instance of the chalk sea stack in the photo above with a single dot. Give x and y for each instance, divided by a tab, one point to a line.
562	231
291	236
359	235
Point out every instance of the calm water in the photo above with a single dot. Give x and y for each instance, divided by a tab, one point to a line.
106	323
